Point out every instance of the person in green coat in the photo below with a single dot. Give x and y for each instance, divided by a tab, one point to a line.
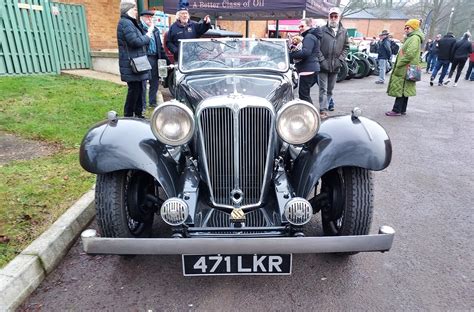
409	54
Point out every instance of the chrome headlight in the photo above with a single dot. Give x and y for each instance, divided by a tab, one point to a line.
297	122
172	123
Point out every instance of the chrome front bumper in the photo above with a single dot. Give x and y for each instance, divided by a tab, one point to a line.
275	245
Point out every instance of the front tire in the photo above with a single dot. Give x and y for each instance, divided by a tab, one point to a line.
349	206
121	203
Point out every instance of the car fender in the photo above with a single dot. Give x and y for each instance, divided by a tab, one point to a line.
341	141
128	144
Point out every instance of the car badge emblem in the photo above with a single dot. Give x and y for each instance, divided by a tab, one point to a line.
236	196
237	215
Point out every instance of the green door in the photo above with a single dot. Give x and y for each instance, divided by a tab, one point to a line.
72	39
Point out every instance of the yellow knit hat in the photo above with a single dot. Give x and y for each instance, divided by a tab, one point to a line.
413	23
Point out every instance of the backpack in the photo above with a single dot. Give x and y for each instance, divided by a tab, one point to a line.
394	47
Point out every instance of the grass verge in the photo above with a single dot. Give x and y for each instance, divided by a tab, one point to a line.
53	109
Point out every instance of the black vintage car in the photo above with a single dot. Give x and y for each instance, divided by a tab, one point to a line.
234	170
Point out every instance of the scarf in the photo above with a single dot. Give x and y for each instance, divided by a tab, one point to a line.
152	44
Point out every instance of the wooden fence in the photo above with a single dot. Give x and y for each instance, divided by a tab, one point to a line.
39	36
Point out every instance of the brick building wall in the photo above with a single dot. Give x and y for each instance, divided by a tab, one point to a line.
257	29
103	15
102	18
373	27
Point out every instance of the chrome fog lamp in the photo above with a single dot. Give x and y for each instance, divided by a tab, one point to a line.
174	211
298	211
172	123
297	122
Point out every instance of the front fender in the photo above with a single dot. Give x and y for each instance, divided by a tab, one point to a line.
341	141
128	144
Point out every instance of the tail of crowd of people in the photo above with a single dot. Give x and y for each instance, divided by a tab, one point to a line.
449	55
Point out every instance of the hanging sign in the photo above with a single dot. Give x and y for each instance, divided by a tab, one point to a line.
23	6
37	7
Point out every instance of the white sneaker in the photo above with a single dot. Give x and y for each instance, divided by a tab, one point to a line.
447	81
455	84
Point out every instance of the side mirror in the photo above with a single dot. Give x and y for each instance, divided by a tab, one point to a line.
162	68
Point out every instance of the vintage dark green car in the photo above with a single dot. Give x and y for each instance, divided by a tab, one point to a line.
233	172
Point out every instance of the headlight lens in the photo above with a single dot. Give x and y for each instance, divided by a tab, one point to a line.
297	122
173	123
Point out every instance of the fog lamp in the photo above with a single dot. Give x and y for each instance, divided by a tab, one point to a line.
174	211
298	211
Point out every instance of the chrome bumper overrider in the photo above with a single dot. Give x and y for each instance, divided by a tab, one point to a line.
171	246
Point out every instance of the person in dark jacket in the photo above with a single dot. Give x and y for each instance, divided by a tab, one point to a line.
307	66
470	72
184	28
433	54
155	52
460	53
384	53
445	47
334	49
132	42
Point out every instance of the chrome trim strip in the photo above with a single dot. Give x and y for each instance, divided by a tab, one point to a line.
172	246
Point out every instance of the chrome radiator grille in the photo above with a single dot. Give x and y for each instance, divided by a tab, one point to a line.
219	218
236	146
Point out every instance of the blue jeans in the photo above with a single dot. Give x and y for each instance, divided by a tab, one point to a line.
440	63
431	64
382	69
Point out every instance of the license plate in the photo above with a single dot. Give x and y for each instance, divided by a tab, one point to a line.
195	265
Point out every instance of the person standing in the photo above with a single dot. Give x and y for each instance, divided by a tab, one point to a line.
426	51
434	48
307	65
334	49
409	54
155	52
460	53
184	28
469	72
132	42
384	54
445	47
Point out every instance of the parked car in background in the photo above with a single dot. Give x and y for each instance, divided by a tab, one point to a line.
233	171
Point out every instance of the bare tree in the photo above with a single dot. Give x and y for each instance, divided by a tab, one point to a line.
439	12
355	6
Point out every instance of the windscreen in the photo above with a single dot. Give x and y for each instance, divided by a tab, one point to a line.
233	54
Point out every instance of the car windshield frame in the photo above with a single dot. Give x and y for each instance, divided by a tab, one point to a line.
233	54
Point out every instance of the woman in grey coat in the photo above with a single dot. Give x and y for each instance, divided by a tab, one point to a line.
132	42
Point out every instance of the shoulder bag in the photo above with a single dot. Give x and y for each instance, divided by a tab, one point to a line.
139	64
413	73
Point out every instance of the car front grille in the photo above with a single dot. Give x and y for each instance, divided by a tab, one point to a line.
221	219
236	143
